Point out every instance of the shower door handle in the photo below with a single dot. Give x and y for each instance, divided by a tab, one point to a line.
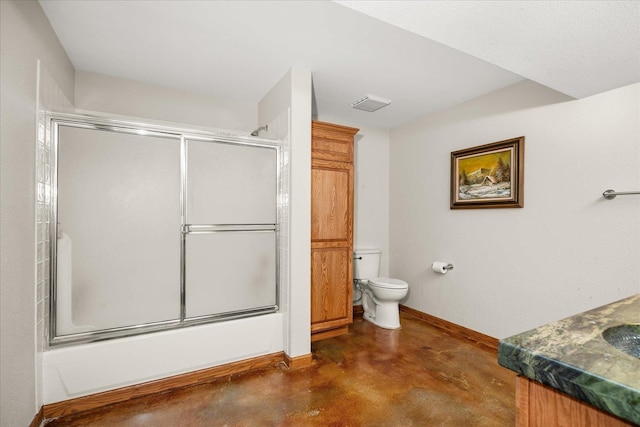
220	228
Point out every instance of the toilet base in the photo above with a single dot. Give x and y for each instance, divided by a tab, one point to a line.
385	315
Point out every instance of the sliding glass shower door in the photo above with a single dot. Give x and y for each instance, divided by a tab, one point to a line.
230	247
157	230
118	234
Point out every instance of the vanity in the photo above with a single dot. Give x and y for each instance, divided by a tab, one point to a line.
580	371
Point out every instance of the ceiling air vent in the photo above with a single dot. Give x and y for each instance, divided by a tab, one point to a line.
370	103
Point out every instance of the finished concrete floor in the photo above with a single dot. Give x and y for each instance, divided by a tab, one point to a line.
414	376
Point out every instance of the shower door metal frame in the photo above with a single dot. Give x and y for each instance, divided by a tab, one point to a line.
182	136
225	228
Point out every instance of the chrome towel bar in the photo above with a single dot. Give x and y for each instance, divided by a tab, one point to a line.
611	194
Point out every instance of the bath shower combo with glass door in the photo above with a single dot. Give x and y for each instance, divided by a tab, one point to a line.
157	228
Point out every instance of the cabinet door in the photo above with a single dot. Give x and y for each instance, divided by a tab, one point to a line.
331	292
331	244
332	142
331	202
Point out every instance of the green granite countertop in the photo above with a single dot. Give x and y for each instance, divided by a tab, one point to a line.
571	356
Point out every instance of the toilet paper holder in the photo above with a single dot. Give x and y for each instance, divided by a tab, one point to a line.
441	267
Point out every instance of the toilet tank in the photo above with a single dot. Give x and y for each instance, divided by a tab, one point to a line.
366	263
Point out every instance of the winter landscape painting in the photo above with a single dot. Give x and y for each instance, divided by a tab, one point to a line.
488	176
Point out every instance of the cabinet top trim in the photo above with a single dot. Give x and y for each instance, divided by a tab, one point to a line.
316	125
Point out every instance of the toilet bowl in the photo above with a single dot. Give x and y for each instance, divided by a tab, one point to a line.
380	295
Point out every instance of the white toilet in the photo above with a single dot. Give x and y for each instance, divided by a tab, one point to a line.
380	295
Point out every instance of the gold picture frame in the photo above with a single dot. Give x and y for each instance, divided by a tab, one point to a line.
488	176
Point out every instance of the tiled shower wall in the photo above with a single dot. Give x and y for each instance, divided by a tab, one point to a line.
43	207
50	97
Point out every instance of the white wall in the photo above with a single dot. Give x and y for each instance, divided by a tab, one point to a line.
291	96
25	38
97	92
371	216
566	251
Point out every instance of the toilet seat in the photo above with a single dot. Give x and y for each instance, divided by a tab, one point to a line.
389	283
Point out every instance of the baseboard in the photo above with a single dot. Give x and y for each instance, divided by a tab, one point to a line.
38	419
357	309
298	361
331	333
93	401
460	331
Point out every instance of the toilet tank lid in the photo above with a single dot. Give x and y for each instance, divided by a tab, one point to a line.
366	251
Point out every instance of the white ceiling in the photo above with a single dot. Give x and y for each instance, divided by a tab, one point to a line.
428	56
579	48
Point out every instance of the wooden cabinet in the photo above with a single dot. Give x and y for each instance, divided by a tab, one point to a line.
331	229
332	142
541	406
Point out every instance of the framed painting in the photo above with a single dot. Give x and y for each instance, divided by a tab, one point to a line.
488	176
